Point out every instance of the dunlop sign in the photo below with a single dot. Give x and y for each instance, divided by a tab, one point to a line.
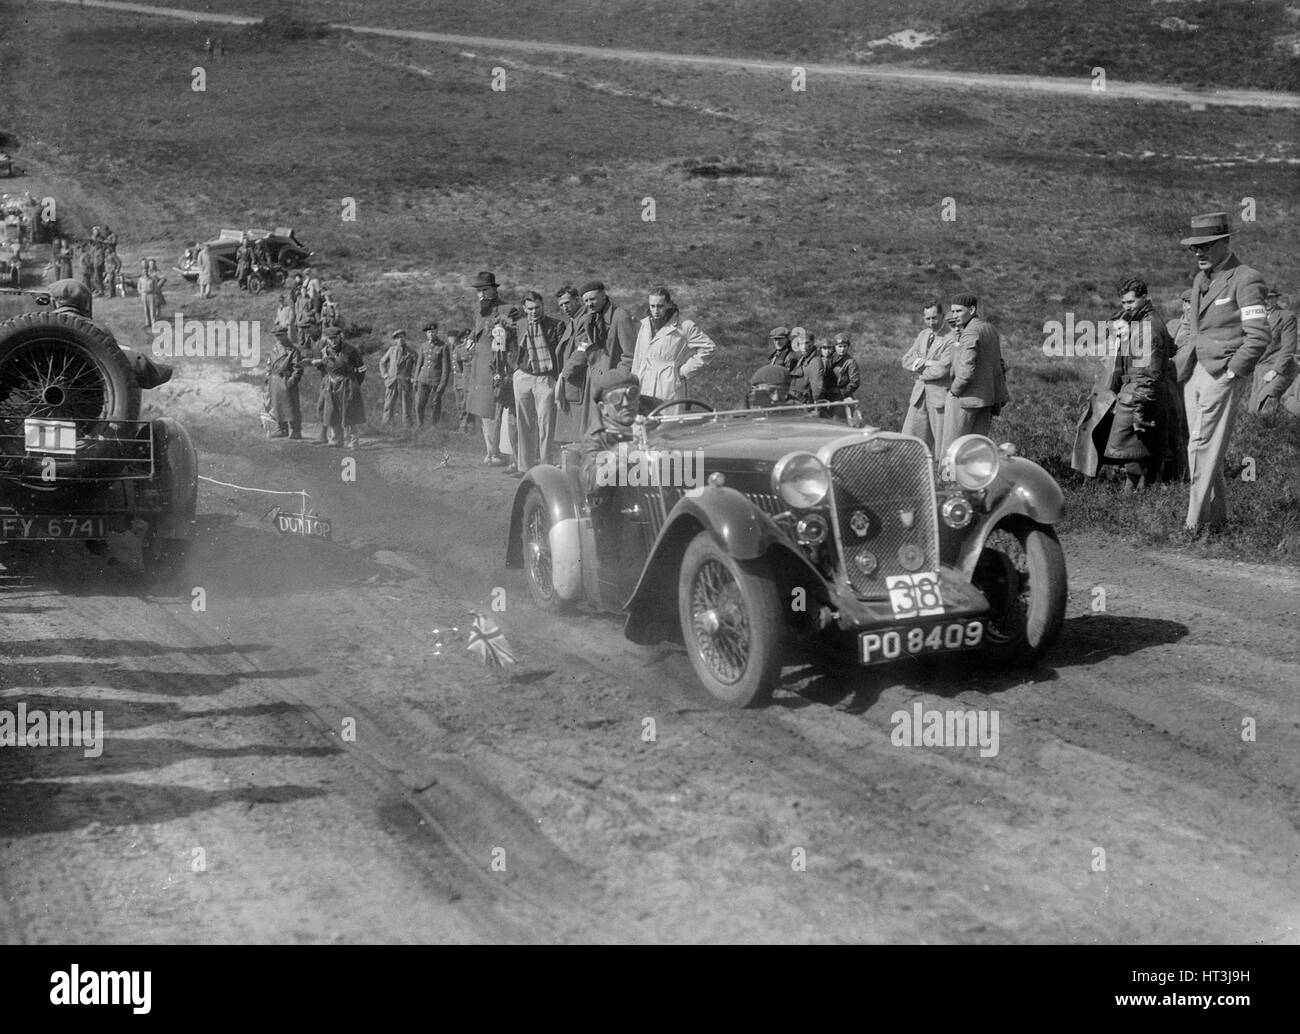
300	524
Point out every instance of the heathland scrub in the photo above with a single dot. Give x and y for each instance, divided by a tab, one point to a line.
1028	228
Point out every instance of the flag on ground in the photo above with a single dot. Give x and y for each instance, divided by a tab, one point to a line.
489	643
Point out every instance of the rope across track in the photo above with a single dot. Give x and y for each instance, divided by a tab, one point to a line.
263	491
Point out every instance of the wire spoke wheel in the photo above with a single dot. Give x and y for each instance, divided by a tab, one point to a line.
539	560
730	616
59	366
721	623
537	552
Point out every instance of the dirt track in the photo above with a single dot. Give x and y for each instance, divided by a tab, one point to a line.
223	733
1078	87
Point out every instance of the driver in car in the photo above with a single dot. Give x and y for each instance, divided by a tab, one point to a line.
619	402
74	298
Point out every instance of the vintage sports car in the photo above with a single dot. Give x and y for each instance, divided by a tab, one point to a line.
76	462
746	533
283	249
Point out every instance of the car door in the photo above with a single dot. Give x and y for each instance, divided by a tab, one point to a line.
621	526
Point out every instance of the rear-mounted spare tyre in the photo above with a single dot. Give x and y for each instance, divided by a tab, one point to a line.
58	366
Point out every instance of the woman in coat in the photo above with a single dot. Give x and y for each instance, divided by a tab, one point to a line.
1131	416
668	350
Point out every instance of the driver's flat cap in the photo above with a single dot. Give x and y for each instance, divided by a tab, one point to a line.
614	379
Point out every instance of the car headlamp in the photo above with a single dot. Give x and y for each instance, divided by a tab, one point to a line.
801	480
971	462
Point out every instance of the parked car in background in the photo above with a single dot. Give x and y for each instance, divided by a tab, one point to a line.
283	250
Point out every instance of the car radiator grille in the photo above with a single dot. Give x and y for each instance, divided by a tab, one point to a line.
883	485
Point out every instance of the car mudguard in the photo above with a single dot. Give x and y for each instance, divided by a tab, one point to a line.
1022	488
557	490
176	475
735	523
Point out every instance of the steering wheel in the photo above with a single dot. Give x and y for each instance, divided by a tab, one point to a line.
680	402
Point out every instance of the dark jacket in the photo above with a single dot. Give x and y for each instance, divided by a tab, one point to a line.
488	369
603	352
1132	413
435	366
978	375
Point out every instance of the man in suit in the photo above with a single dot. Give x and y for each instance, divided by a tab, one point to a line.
1277	366
979	386
536	371
930	358
605	339
1227	333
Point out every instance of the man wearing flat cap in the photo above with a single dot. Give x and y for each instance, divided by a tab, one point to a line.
782	353
1277	366
433	376
397	368
930	359
1228	332
605	340
979	384
283	374
617	398
490	392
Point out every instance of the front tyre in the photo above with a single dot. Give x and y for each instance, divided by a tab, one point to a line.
535	541
731	623
255	284
1022	572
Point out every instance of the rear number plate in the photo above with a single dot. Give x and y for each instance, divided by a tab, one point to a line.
889	644
52	528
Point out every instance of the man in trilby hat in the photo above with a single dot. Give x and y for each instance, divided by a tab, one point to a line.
1227	333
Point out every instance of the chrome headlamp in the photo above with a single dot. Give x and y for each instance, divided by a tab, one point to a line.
801	480
971	462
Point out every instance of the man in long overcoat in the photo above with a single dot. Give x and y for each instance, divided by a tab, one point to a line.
283	375
488	390
1131	416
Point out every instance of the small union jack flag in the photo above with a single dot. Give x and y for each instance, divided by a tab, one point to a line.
489	643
